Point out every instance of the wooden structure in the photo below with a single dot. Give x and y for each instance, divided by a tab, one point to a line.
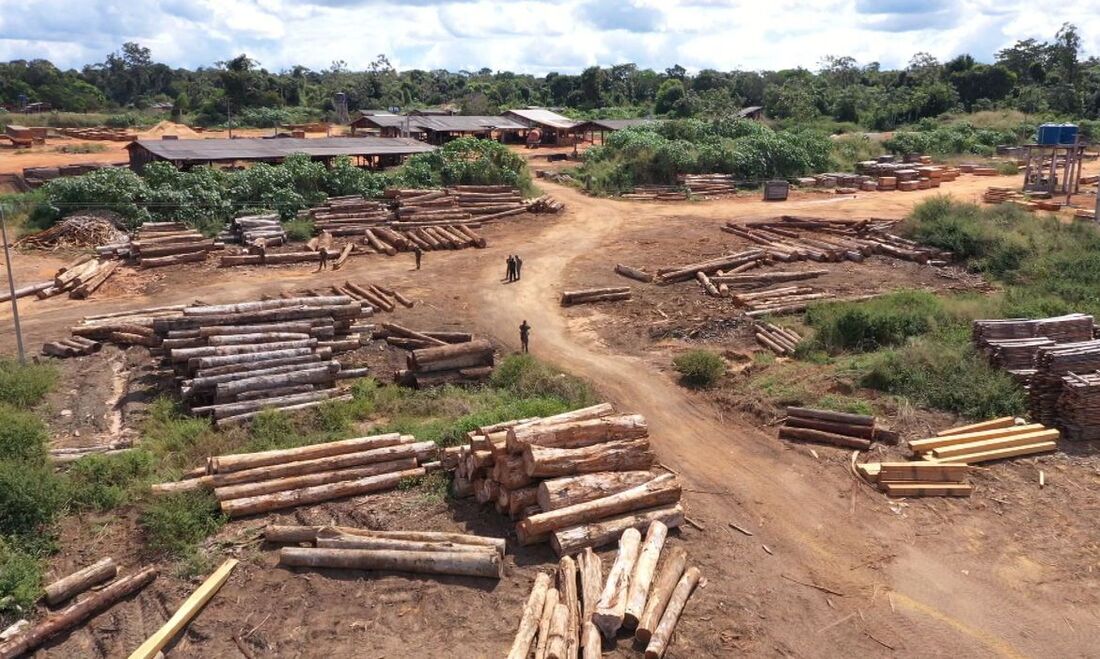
589	129
437	128
372	152
1053	168
553	127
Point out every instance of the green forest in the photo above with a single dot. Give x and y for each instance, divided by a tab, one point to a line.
1034	77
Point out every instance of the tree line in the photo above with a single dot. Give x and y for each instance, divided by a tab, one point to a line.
1036	77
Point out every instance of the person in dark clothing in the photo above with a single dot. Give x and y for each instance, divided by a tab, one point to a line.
419	253
519	267
524	334
510	274
324	259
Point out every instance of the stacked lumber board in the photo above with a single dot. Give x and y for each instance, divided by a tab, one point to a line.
79	278
233	361
918	479
440	358
654	192
1079	406
251	229
577	479
76	346
158	244
710	186
782	341
995	439
590	295
1052	364
647	587
856	431
110	589
418	552
254	483
1069	328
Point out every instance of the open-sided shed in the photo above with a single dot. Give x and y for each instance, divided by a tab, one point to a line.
373	152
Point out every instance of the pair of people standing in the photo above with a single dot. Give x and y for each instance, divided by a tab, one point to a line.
515	268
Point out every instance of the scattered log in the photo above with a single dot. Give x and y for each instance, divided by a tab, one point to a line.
298	534
309	495
529	621
567	586
591	643
487	564
612	604
557	645
245	490
384	454
606	531
633	273
672	567
80	581
247	416
591	569
644	570
658	642
828	415
190	608
594	295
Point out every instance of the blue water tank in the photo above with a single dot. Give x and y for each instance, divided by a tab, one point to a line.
1049	134
1068	134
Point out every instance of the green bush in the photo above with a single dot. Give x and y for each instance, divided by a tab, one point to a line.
25	386
299	229
103	482
699	368
527	377
22	436
20	580
30	498
868	325
175	524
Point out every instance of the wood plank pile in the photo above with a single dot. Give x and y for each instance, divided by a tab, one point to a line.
1052	364
1079	406
856	431
101	588
250	229
999	195
785	239
1085	214
710	186
646	590
254	483
439	358
76	346
577	479
918	479
79	279
782	341
1014	343
158	244
996	439
654	192
590	295
417	552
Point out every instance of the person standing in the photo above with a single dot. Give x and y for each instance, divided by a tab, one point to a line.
510	272
524	334
324	259
519	267
419	253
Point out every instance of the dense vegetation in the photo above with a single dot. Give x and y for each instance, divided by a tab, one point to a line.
1031	76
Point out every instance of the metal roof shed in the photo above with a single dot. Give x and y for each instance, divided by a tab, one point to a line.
371	151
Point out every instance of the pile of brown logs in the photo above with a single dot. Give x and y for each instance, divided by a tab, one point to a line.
1079	406
996	439
437	358
470	203
109	589
654	192
918	479
79	279
785	299
251	229
349	216
419	552
589	295
728	265
856	431
159	244
75	346
544	204
791	238
577	479
783	341
645	591
253	483
710	186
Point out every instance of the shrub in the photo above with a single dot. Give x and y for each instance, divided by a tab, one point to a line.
527	377
884	321
22	436
24	386
299	229
102	482
272	429
699	368
30	498
175	524
20	579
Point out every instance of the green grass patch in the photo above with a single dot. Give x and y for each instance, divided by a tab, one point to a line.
20	580
699	368
103	482
25	386
176	524
881	322
22	436
300	230
31	498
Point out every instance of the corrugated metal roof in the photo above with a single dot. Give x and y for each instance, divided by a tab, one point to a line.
387	121
544	117
253	148
466	123
616	124
752	109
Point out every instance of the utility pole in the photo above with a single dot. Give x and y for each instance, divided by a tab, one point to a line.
11	288
229	114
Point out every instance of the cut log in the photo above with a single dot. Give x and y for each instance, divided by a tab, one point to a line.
658	643
310	495
324	374
609	456
487	564
576	434
591	643
828	415
591	569
567	586
298	534
333	539
451	356
189	257
397	330
563	492
228	410
80	581
607	531
190	608
236	462
557	645
228	421
644	570
863	432
309	480
671	569
806	434
578	296
633	273
612	604
387	453
551	603
77	613
529	621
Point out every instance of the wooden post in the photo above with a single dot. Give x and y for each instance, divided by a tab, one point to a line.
529	622
191	607
643	573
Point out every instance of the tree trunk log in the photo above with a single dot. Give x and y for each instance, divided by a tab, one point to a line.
606	531
298	534
529	621
309	480
259	337
325	374
806	434
228	421
567	586
339	541
643	573
828	415
551	603
203	363
610	456
451	356
221	464
487	564
521	499
851	430
208	382
633	273
80	581
592	644
316	494
571	490
608	616
672	568
189	257
383	454
228	410
577	434
658	643
557	645
77	613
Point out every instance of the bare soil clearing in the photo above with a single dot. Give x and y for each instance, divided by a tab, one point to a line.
833	567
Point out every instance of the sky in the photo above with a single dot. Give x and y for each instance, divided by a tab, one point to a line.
532	36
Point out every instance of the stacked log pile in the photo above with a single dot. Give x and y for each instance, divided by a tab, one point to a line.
79	279
158	244
591	295
856	431
254	483
418	552
110	589
251	229
710	186
782	341
786	299
1079	406
469	203
544	204
99	133
379	297
996	439
439	358
352	215
653	192
645	592
792	238
918	479
577	479
1052	364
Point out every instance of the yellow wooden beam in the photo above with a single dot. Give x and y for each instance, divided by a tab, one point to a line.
185	613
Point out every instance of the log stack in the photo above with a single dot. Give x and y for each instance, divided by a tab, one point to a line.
996	439
544	204
784	299
1079	406
79	278
254	483
349	215
856	431
1014	343
782	341
76	346
654	192
251	229
710	186
792	238
439	358
158	244
576	480
591	295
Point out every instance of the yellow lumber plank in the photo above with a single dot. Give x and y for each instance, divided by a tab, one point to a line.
185	613
928	489
946	452
922	471
1010	452
925	445
992	424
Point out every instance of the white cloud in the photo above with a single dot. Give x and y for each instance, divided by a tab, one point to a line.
534	36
